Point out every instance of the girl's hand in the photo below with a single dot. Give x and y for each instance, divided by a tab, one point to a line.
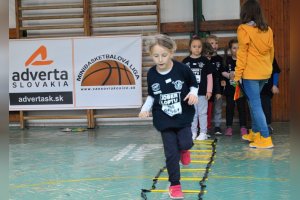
144	114
223	83
192	99
275	89
218	96
208	95
231	76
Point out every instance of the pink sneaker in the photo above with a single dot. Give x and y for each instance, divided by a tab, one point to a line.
244	131
185	157
175	192
228	131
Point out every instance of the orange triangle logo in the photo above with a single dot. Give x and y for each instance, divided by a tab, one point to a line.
42	51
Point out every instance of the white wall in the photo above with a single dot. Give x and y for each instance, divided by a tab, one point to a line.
176	10
12	16
182	10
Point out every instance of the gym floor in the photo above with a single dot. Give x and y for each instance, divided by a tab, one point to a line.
116	162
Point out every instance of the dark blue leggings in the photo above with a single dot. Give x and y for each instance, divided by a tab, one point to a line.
175	140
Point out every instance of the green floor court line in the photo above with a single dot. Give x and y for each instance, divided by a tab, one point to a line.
54	182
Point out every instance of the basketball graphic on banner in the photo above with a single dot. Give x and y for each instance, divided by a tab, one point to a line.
108	72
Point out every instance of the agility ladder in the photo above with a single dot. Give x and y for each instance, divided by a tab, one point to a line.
202	180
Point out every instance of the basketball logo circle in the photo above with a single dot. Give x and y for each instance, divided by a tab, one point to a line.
108	72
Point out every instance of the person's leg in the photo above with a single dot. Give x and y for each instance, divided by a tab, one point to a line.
172	154
184	140
203	103
241	105
230	104
209	113
252	89
267	107
195	122
218	115
254	127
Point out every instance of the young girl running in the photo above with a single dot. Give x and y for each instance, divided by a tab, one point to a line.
200	67
172	93
228	73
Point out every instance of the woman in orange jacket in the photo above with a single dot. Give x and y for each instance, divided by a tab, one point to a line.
254	67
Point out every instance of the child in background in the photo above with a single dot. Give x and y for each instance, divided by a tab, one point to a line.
172	94
200	67
216	100
228	73
270	88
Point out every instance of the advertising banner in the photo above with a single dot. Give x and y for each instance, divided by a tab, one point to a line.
75	73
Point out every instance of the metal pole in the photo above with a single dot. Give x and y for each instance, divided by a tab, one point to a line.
196	17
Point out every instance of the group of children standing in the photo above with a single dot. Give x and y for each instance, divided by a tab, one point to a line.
215	76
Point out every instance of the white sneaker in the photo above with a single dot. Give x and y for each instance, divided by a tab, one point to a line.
202	136
194	135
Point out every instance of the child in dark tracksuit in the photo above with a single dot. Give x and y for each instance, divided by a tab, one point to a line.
172	94
216	100
228	73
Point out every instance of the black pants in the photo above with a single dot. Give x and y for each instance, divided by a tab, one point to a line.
230	106
266	102
175	140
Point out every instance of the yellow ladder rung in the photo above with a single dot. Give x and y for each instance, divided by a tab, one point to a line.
184	191
203	141
202	144
201	147
190	170
201	156
182	179
200	150
201	161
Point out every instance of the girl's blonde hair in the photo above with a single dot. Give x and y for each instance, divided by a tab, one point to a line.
211	37
161	40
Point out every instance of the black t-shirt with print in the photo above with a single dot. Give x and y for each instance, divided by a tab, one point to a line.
169	90
229	67
201	68
217	63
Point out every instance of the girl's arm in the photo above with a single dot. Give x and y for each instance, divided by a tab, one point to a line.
226	75
275	89
146	108
242	53
194	91
209	86
148	104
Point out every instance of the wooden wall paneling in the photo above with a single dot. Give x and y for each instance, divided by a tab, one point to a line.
277	16
188	27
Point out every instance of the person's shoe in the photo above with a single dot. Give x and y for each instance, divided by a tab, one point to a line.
202	136
270	129
244	131
175	192
251	136
185	157
194	135
262	143
218	131
228	131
